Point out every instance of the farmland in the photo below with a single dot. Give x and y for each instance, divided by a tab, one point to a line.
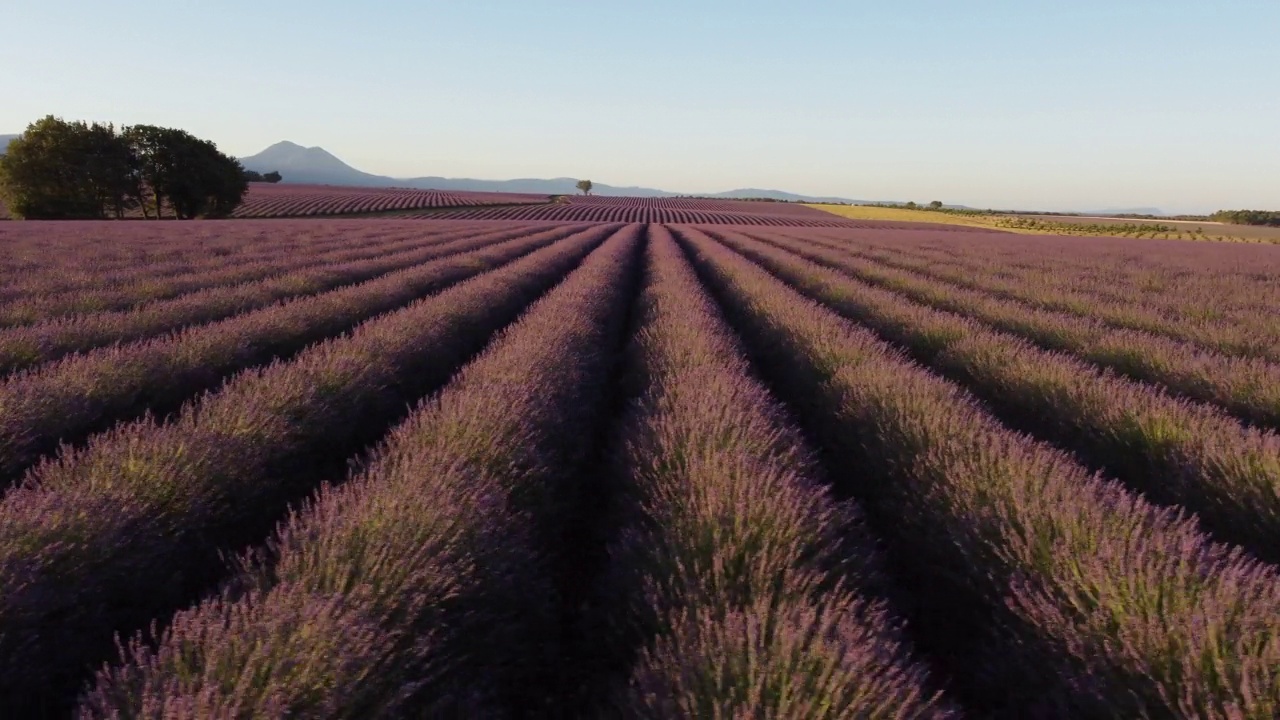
623	457
265	200
659	210
1075	225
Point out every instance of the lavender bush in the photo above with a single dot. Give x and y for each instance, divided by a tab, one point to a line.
431	557
108	537
1082	599
66	400
1176	452
30	345
1219	297
736	569
74	284
1247	387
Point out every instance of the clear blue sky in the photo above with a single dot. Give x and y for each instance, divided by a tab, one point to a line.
1087	104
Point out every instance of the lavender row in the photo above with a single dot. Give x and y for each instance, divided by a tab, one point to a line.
646	213
73	255
1246	387
1156	303
292	200
1172	277
109	537
1177	453
428	560
1055	592
41	306
65	400
737	583
30	345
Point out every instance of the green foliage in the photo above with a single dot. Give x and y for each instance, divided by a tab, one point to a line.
61	170
935	205
1248	217
585	186
1136	230
255	176
187	172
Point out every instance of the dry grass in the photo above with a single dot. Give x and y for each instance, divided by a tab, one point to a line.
870	212
1066	224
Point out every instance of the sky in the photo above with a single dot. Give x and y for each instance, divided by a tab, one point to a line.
1084	105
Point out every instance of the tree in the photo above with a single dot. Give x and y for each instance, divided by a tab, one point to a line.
111	169
1248	217
59	170
911	205
63	170
255	176
188	173
153	147
585	186
223	184
936	205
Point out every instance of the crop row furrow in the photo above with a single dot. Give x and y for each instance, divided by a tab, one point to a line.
1189	317
432	550
66	291
31	345
106	259
67	399
1175	452
1246	387
738	585
106	253
141	292
299	201
1179	289
111	536
1057	593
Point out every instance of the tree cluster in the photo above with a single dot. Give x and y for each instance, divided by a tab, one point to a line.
255	176
1247	217
59	170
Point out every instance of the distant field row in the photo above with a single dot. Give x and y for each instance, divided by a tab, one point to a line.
288	200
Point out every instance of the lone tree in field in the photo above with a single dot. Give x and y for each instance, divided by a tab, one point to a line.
935	205
585	186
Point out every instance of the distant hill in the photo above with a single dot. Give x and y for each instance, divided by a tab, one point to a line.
316	165
780	195
1125	211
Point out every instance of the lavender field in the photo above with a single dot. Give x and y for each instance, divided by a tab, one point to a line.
569	460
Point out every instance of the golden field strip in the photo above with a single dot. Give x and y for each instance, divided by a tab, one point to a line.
1064	224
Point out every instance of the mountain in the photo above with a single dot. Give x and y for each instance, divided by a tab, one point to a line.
309	165
780	195
315	165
